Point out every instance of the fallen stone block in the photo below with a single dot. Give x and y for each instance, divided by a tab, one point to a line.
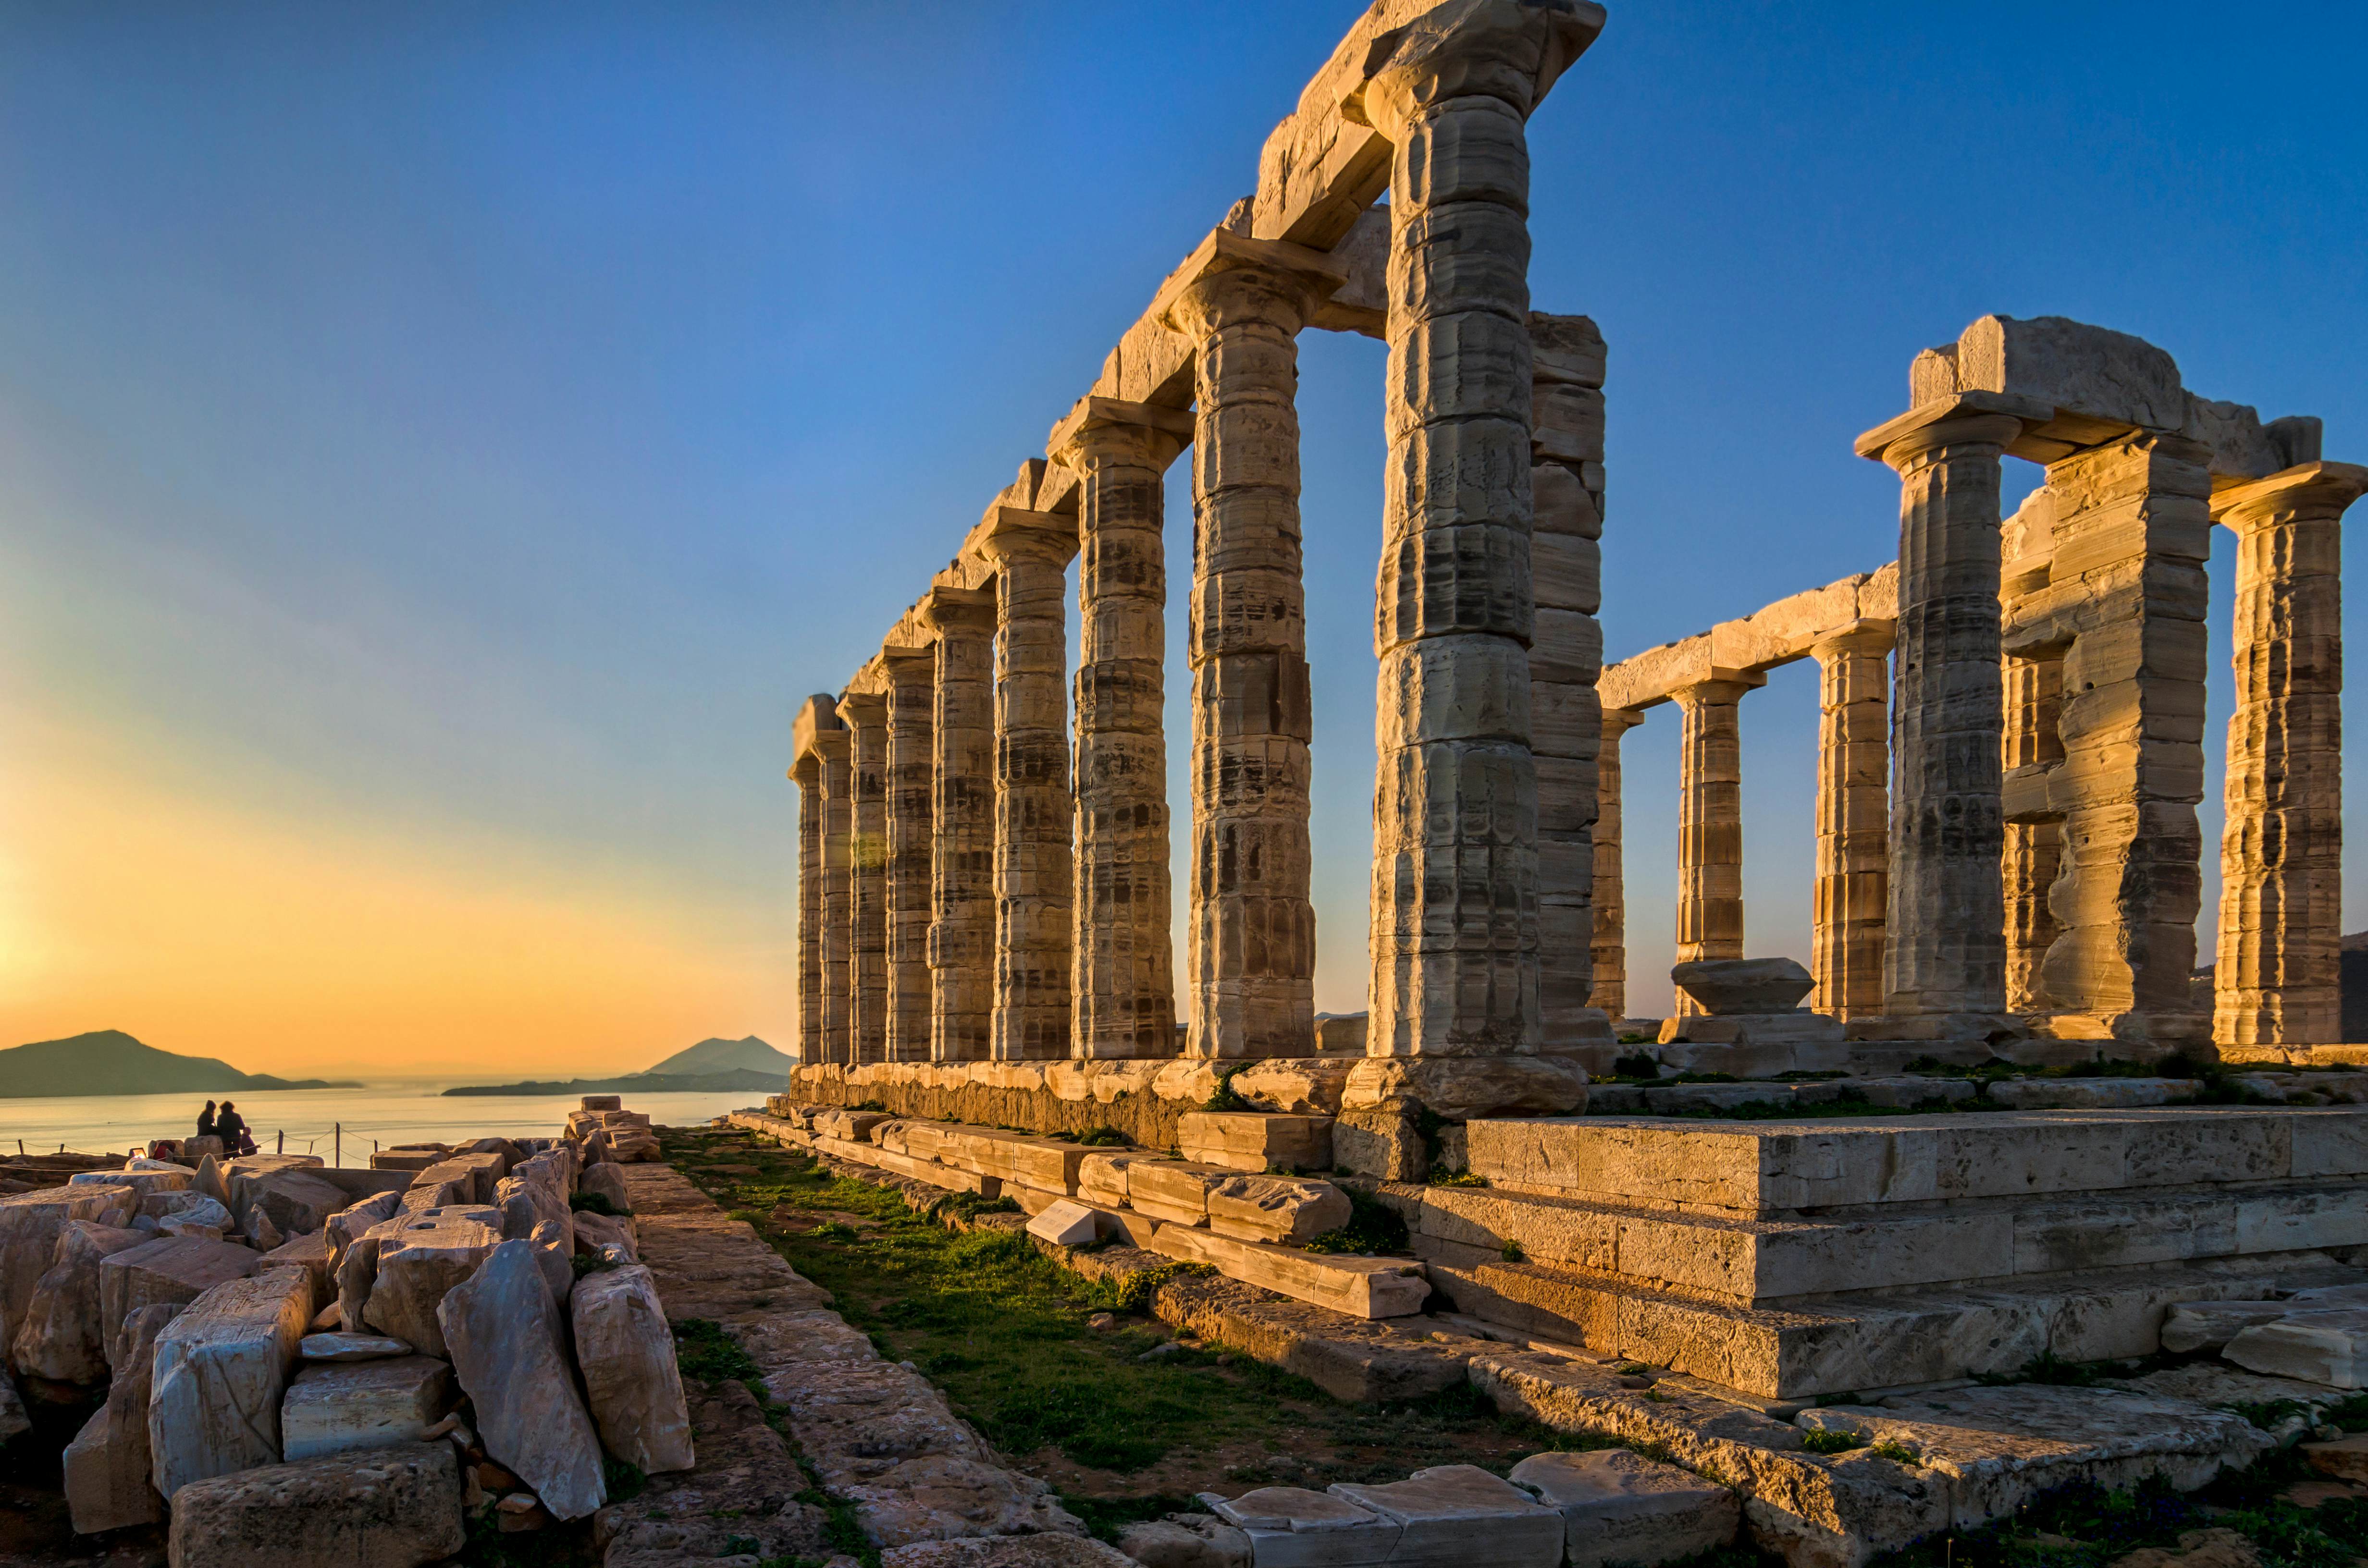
2208	1325
396	1507
595	1232
1290	1526
191	1214
1618	1506
64	1331
603	1102
609	1182
630	1382
1174	1192
407	1159
1354	1360
1066	1223
146	1183
2323	1344
29	1222
849	1126
1290	1210
419	1259
1360	1286
293	1197
310	1252
363	1405
508	1347
1007	1551
221	1371
1452	1515
109	1478
1102	1177
355	1220
1204	1542
170	1271
335	1346
1256	1141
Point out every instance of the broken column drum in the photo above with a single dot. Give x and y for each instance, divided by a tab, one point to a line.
962	875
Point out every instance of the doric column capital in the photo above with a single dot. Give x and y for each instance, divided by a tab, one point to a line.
1618	721
831	745
944	609
864	710
1232	279
1951	425
1864	637
1509	50
2318	489
806	771
1110	430
903	663
1007	533
817	715
1726	686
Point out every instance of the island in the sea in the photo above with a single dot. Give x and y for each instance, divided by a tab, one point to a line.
713	1066
108	1062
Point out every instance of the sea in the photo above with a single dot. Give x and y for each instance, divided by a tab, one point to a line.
342	1126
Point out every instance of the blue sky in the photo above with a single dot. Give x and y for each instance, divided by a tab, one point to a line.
444	442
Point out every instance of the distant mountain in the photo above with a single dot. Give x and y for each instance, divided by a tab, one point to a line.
738	1080
723	1055
108	1062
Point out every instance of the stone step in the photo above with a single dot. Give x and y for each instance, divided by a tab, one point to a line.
1752	1261
1769	1168
1889	1339
1359	1287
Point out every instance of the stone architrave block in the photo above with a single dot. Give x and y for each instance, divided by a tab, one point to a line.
1452	1515
2325	1345
421	1258
1291	1526
630	1382
29	1222
1256	1141
331	1408
394	1508
508	1346
221	1371
1358	1286
1173	1191
1066	1223
1618	1507
169	1271
1286	1210
64	1331
108	1477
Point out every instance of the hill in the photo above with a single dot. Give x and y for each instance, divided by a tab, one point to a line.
108	1062
738	1080
723	1055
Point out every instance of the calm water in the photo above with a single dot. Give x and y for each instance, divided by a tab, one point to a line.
406	1111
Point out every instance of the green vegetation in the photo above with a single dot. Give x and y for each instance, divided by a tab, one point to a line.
597	1203
1831	1441
1374	1228
1224	1098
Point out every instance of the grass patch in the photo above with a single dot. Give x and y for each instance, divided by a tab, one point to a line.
1374	1228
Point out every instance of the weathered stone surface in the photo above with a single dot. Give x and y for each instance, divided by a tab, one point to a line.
1453	1514
1171	1544
1173	1191
1276	1209
507	1343
2325	1345
64	1331
626	1354
1462	1088
220	1371
421	1257
1618	1506
2090	1094
1360	1286
1724	986
109	1479
1005	1552
607	1181
170	1269
1709	830
364	1404
285	1189
394	1507
14	1421
2208	1325
1066	1223
29	1222
1290	1526
310	1252
341	1347
1256	1141
595	1232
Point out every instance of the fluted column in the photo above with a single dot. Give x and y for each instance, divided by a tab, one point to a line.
2134	516
1853	821
2035	829
837	891
866	714
2276	981
1455	941
1034	892
1611	902
962	867
1946	947
912	775
807	775
1710	824
1123	975
1251	950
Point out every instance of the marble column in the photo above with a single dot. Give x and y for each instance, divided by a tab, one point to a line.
1124	976
1611	901
1454	939
911	776
2035	829
2276	980
866	714
1034	891
1710	822
1945	954
807	775
1853	821
1250	948
837	890
1565	659
2132	518
961	866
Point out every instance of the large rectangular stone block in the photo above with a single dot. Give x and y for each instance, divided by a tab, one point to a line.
1256	1141
1359	1287
221	1371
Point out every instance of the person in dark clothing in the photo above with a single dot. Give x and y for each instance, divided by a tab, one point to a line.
206	1121
231	1128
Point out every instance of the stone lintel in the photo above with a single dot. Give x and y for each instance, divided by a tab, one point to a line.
1783	633
1096	411
1961	405
1006	531
817	715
